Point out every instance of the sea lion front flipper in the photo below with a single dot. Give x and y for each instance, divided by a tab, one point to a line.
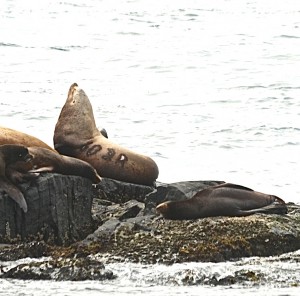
234	186
14	193
46	169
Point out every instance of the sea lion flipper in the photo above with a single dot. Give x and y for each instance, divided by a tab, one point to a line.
235	186
45	169
274	208
14	193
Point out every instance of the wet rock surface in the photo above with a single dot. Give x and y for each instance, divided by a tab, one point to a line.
127	229
63	269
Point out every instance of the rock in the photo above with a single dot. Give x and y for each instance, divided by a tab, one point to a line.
191	277
63	269
213	239
15	252
124	211
120	192
128	229
145	237
59	211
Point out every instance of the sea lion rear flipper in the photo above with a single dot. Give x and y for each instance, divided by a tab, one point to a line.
235	186
274	208
14	193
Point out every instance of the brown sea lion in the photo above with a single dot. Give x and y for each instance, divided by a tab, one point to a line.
9	154
10	136
76	135
222	200
45	160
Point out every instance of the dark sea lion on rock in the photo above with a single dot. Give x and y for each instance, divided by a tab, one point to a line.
222	200
76	135
9	154
45	160
10	136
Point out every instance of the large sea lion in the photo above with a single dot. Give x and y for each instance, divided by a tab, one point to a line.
45	160
9	154
76	135
222	200
10	136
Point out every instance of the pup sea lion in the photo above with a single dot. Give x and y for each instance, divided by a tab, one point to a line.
9	154
76	135
45	160
222	200
10	136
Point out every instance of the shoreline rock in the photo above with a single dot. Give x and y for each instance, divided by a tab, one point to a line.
130	230
59	211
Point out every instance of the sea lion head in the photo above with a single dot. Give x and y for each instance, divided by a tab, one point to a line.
76	122
13	153
178	210
165	209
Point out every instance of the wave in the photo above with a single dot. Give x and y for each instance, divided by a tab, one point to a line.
9	44
288	36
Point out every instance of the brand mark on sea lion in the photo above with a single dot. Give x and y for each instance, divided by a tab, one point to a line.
110	154
122	159
89	151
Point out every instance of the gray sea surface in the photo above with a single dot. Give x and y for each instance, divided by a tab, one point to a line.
208	89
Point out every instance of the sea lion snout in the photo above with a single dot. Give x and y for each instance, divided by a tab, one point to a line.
162	208
28	157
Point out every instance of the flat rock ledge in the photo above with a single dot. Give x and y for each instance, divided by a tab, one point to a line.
123	227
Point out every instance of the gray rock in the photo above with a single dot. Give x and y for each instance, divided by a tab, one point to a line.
120	192
69	269
59	211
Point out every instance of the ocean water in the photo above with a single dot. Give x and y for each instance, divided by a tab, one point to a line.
208	89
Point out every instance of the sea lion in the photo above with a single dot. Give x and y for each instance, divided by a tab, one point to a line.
76	135
9	154
45	160
222	200
10	136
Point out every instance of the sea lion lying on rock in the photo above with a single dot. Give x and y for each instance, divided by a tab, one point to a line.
222	200
11	136
76	135
45	160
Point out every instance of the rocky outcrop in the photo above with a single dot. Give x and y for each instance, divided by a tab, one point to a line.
155	240
127	228
59	211
65	269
